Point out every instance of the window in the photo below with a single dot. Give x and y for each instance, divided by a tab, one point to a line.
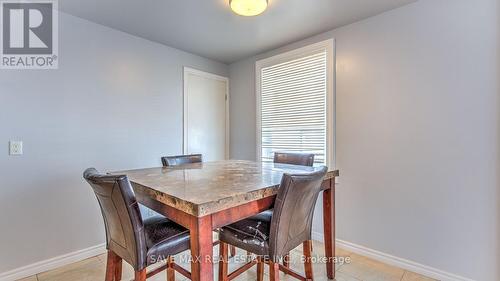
295	103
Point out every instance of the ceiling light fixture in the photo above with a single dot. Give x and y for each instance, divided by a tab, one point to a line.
248	8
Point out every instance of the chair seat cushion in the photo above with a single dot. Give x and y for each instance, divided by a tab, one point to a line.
164	238
251	234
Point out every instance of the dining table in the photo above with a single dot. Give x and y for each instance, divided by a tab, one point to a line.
205	196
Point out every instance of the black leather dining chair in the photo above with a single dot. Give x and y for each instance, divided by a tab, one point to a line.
140	242
302	159
181	159
271	235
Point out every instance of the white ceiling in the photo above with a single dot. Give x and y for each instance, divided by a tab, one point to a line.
209	28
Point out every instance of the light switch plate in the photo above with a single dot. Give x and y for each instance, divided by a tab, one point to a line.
16	148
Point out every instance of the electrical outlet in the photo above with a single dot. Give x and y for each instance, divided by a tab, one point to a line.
16	148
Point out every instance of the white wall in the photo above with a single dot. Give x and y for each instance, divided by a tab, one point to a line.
114	103
417	133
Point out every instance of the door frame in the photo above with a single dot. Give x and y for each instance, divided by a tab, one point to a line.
189	70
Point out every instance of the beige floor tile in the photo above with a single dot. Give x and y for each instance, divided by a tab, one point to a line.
320	276
341	276
87	270
162	276
411	276
103	257
368	269
127	271
31	278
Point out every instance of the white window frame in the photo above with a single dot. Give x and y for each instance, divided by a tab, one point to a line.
329	46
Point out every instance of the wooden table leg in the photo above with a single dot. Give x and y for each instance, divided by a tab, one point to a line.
329	228
201	249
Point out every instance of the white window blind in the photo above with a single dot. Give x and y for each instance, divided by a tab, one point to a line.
293	106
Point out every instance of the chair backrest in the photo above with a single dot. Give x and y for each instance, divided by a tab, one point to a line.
291	223
122	217
181	159
303	159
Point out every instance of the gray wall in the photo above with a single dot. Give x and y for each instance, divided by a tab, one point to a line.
498	132
417	133
114	103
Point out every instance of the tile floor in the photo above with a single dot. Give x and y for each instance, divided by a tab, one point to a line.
359	269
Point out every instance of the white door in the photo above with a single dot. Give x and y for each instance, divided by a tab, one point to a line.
206	115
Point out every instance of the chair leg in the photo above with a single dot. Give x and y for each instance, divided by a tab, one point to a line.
170	269
118	268
111	266
140	275
223	252
286	260
260	269
274	271
233	250
308	263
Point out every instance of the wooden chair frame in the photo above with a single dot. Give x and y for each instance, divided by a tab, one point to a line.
274	268
114	269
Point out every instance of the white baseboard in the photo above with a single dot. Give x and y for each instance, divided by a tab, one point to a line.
395	261
52	263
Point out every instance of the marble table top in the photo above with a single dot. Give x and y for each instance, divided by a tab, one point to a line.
204	188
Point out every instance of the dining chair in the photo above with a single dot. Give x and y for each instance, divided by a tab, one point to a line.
303	159
272	235
181	159
140	242
169	161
